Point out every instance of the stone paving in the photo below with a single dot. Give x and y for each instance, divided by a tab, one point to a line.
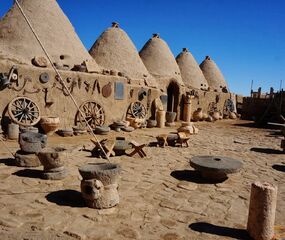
161	196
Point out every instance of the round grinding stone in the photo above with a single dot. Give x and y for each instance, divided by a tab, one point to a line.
215	165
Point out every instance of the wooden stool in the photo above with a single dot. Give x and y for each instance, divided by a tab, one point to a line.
107	145
138	148
183	138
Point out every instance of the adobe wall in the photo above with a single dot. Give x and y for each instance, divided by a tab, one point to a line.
82	91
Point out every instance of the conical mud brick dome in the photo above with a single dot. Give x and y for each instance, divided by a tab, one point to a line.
115	50
191	73
213	75
17	41
159	60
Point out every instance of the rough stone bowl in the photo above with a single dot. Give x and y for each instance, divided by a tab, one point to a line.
31	142
52	158
107	173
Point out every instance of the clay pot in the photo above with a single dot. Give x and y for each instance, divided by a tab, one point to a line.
197	115
137	123
13	131
205	116
216	116
232	115
32	142
209	119
170	117
50	124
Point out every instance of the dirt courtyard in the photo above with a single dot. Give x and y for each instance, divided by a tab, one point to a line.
161	196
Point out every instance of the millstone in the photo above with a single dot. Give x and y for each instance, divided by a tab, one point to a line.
65	132
215	167
55	175
23	159
102	130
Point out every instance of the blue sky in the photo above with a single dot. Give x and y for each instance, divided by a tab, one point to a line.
246	38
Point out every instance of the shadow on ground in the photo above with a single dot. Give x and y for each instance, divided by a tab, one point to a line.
234	233
8	161
266	150
192	176
29	173
280	168
70	198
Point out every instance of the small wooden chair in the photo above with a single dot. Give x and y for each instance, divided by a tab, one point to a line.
138	148
183	138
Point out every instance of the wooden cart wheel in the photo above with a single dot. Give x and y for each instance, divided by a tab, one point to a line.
92	112
228	106
138	110
24	111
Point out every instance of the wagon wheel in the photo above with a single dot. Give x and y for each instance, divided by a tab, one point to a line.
92	112
137	110
228	106
24	111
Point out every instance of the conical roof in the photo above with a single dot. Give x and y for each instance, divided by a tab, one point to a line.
53	28
115	50
213	75
191	73
159	60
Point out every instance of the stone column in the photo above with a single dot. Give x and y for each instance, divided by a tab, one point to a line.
187	108
160	118
261	217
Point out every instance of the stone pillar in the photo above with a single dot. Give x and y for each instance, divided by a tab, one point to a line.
160	115
187	108
261	217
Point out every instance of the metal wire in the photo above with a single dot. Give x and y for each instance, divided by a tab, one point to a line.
59	76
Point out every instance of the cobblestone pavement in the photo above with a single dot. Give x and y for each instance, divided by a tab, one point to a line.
161	196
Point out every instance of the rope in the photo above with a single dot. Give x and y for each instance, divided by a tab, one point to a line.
5	146
59	76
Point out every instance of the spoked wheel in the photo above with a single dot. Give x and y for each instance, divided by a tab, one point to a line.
92	112
228	106
24	111
137	110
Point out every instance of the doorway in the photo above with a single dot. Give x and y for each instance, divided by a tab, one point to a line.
172	97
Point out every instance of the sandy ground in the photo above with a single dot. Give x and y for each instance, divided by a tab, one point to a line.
161	196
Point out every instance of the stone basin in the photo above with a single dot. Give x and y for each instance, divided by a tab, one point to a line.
215	167
52	158
107	173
